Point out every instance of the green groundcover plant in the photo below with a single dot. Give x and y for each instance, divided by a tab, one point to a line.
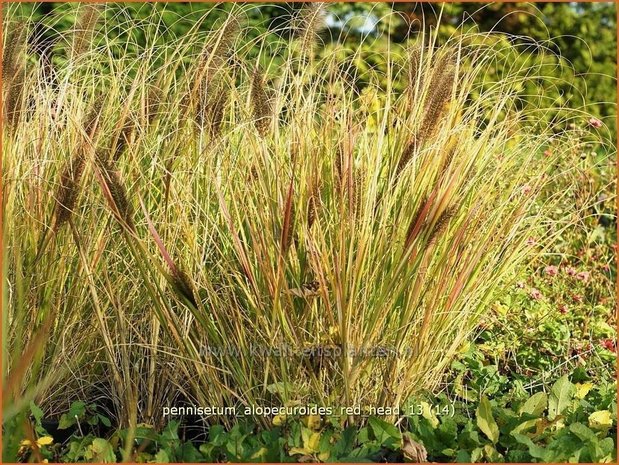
562	425
226	220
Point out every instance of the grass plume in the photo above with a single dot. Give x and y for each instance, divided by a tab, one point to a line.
261	104
89	15
15	43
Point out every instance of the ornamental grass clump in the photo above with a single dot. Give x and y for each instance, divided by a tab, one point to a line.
251	223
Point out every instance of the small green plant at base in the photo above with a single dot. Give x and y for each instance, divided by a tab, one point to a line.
572	422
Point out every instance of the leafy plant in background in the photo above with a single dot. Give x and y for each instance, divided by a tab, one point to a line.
581	36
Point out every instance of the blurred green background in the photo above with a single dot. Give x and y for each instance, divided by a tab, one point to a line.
581	35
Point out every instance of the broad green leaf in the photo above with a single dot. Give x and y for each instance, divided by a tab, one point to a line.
363	435
582	432
525	426
66	421
536	404
170	432
217	435
492	454
560	398
162	457
105	420
326	442
477	454
463	457
236	444
77	409
564	448
485	420
100	451
384	432
37	413
534	450
607	446
206	450
345	443
187	453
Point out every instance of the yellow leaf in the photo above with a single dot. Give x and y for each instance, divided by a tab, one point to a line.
559	423
582	389
260	453
279	420
428	414
313	442
25	443
465	348
600	420
525	425
324	456
299	451
312	422
45	441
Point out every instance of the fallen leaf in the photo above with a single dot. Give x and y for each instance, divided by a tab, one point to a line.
413	451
